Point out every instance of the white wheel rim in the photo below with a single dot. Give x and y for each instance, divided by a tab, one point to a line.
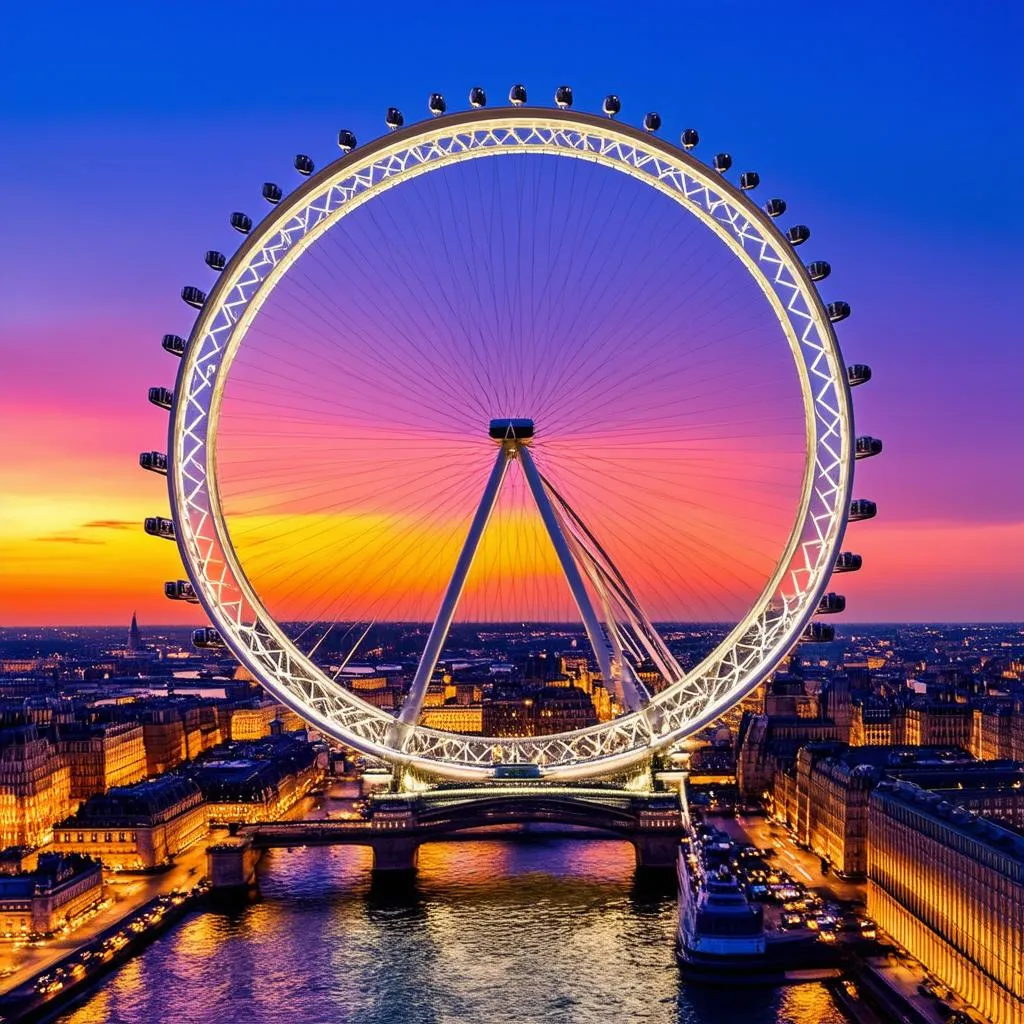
750	651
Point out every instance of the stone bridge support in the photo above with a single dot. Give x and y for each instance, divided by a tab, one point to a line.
394	854
656	852
231	863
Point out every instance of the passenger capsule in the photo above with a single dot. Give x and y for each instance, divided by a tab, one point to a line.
173	343
722	162
436	104
346	140
798	234
303	164
195	297
775	207
155	462
866	447
206	637
215	260
477	97
180	590
749	180
861	508
271	192
394	119
818	633
517	95
158	526
652	122
819	270
837	311
612	105
831	604
859	373
689	138
563	96
161	397
242	223
848	562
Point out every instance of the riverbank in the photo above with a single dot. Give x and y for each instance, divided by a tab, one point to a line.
73	976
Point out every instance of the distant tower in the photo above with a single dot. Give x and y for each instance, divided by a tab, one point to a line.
134	637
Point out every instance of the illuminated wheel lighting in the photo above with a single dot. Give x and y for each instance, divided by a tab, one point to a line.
273	250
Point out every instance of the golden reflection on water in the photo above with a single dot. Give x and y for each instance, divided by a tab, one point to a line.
546	931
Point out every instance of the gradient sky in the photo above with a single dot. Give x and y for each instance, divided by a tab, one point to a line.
131	131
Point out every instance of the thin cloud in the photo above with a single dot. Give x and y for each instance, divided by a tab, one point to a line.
110	524
61	538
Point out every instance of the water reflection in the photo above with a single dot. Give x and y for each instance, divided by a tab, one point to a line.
542	931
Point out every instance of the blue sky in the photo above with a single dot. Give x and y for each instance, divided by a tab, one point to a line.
892	129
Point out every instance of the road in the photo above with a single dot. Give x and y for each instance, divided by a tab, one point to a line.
804	866
125	894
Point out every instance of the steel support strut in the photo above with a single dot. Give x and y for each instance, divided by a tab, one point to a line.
413	704
598	641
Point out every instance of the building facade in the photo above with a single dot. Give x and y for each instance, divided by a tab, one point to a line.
52	896
949	887
35	786
134	828
102	755
466	718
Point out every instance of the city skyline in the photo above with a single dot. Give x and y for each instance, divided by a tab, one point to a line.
945	545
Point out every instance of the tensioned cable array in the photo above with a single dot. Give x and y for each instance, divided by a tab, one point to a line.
663	394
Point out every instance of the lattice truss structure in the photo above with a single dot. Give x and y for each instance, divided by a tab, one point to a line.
690	700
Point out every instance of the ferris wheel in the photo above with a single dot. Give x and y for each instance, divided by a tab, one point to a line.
513	364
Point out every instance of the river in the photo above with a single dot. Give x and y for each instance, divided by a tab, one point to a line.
537	931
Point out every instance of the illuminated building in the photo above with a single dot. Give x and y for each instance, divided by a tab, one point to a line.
252	723
992	730
875	724
824	798
508	717
163	737
1017	731
454	717
20	666
59	890
35	786
102	755
136	827
949	887
376	690
838	826
938	725
256	781
562	708
768	746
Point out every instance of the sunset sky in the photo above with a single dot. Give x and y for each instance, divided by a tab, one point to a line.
130	134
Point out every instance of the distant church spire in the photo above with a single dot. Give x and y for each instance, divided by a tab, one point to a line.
134	637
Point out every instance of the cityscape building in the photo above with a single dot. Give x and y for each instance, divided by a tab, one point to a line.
40	901
949	887
101	755
136	827
35	785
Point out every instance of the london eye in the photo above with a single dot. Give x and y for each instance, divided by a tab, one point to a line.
513	364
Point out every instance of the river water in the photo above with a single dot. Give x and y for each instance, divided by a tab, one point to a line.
537	931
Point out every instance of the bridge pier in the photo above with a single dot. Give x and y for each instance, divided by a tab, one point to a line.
656	852
231	864
394	854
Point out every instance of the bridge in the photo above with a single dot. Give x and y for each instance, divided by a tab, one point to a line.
396	826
